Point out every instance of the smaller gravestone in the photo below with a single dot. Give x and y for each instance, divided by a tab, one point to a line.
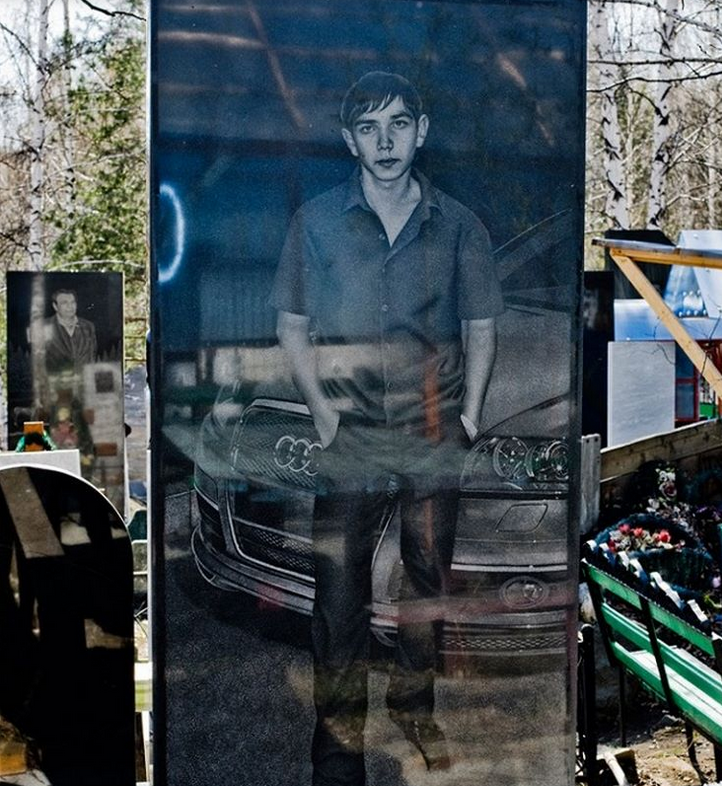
65	368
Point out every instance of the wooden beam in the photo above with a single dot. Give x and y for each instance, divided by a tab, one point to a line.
693	440
690	347
675	257
659	254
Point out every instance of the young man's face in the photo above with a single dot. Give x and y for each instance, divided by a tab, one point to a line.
65	305
385	140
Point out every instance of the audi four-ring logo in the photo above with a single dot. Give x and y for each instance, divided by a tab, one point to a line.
296	454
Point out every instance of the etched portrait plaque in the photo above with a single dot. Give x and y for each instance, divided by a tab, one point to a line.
366	237
65	368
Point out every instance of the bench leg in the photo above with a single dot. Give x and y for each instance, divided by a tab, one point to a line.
692	750
587	706
622	706
141	765
718	762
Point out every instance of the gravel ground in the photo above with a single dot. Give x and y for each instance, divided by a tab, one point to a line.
659	745
662	758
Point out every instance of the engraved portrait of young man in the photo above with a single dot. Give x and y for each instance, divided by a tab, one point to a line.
389	268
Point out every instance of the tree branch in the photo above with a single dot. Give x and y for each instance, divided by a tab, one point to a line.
13	241
661	61
716	31
107	12
650	80
19	41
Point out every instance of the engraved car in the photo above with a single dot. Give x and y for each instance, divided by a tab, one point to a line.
513	581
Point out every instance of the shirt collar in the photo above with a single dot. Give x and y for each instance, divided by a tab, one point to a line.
355	195
68	324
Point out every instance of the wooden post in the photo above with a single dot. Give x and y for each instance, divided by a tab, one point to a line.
690	347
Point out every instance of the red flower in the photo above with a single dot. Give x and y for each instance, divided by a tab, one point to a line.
664	536
624	529
638	532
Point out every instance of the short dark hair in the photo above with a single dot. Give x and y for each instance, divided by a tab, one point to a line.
54	296
376	90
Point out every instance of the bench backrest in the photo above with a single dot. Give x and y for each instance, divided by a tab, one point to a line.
663	649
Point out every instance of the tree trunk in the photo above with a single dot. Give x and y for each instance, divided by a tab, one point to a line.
36	241
616	206
662	136
712	192
68	140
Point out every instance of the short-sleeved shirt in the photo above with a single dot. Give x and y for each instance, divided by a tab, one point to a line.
387	318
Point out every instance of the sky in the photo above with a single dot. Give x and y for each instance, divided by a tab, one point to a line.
14	15
21	18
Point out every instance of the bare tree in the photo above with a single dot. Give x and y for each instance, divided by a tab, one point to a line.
662	137
616	207
36	107
655	112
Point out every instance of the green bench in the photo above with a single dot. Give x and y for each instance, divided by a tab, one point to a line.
665	642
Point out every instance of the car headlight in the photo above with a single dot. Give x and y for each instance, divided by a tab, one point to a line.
520	463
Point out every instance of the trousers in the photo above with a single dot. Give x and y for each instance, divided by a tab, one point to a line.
357	473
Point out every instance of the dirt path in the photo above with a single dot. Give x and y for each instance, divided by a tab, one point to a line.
660	749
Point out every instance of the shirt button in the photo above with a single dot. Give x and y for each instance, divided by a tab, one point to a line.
382	236
385	307
388	386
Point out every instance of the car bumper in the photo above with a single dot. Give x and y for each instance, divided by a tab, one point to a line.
230	571
476	627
